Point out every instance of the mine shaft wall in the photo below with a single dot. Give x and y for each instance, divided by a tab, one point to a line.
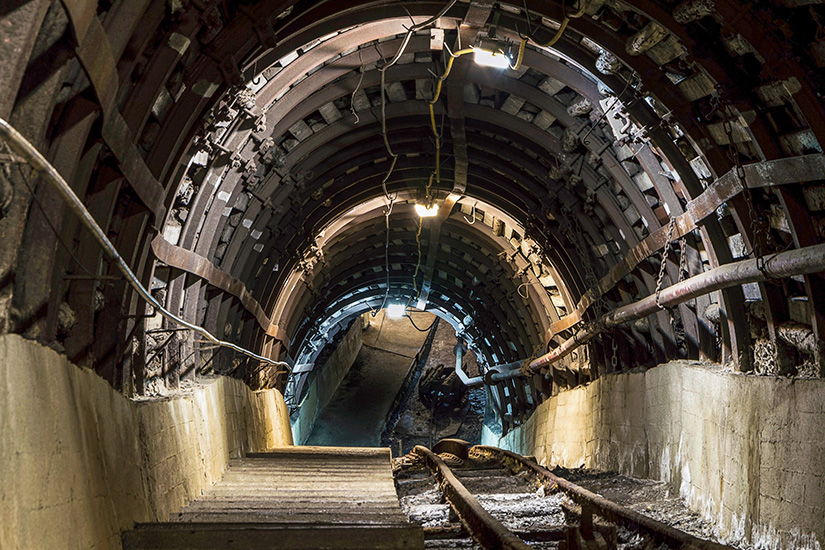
79	463
745	451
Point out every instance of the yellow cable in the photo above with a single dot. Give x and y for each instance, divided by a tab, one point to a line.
564	22
520	54
433	101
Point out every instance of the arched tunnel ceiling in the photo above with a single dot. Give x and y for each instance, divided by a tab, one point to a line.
240	155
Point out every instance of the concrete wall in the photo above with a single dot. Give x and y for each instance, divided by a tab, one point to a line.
326	381
747	452
79	463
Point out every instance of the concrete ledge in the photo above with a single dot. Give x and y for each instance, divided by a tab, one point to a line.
79	463
747	452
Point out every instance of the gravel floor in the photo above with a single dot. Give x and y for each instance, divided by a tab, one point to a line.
648	497
514	501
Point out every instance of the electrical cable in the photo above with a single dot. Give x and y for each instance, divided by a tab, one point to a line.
520	57
418	263
50	174
390	198
414	28
562	27
373	313
357	87
394	60
408	316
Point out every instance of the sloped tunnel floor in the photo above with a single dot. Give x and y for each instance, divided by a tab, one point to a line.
356	414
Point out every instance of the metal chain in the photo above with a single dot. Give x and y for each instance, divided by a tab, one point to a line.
661	277
757	224
577	236
683	268
678	329
614	360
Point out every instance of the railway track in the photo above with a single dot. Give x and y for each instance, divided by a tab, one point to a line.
486	497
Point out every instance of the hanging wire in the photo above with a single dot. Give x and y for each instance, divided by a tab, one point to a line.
418	263
562	26
387	212
382	68
357	87
517	65
408	316
434	100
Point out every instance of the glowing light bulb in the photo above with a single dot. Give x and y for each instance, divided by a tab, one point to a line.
489	58
426	211
396	311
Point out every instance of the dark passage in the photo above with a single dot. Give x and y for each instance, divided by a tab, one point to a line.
356	415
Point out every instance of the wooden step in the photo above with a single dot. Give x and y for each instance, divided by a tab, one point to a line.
272	536
299	498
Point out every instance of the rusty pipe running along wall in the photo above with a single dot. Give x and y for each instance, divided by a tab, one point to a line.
802	261
32	156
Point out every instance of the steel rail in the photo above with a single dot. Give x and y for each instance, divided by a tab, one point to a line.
801	261
486	529
607	509
32	156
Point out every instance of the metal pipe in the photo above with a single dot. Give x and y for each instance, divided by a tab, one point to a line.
503	372
801	261
473	382
32	156
495	374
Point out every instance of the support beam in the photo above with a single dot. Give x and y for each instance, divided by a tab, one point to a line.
758	175
95	55
802	261
193	263
476	17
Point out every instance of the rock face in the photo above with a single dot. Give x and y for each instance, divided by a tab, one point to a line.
649	36
607	63
692	10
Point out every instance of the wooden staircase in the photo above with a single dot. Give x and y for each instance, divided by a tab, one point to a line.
292	498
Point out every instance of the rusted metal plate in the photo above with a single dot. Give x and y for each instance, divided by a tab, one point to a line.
95	54
196	264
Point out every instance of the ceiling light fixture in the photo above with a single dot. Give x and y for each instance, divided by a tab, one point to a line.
492	52
426	211
396	311
487	58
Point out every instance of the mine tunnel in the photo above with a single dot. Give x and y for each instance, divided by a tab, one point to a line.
608	216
